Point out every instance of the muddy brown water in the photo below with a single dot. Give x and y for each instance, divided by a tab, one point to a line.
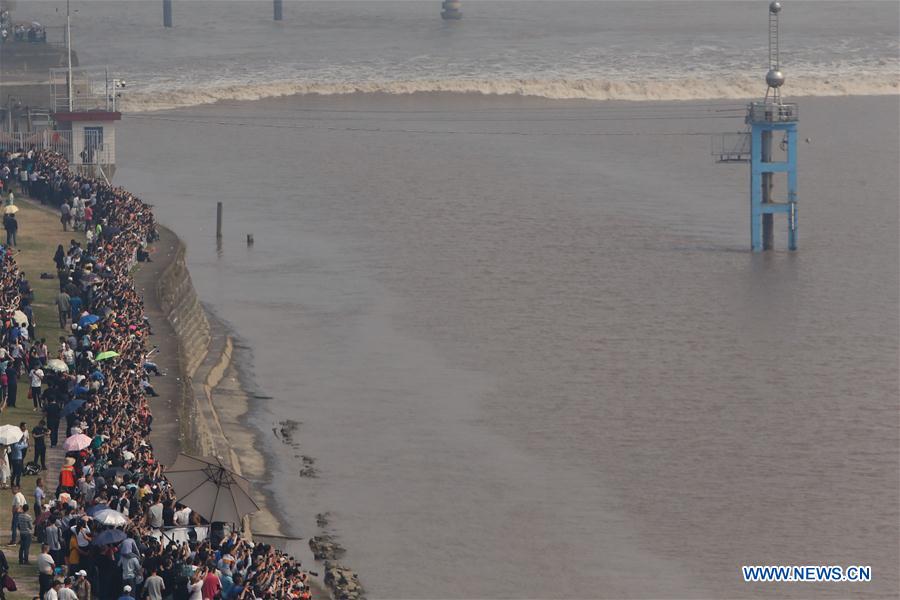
532	359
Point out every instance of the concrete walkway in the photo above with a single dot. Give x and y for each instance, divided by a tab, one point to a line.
166	408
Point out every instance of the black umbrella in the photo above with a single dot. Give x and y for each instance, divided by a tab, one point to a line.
109	537
113	472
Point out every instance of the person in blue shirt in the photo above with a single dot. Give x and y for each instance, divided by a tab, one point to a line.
236	589
75	304
16	456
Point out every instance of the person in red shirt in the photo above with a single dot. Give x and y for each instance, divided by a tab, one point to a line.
211	583
67	475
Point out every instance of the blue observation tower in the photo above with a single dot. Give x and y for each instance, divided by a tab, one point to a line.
772	120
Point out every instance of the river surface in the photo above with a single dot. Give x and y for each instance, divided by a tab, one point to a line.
534	358
526	343
647	50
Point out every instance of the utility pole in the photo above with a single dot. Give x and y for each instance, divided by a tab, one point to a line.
69	60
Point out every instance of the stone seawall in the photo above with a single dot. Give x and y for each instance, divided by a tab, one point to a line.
179	302
185	313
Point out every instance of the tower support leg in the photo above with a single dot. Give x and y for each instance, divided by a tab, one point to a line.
756	243
768	219
792	187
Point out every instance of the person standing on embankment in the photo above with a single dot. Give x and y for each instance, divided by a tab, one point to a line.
11	225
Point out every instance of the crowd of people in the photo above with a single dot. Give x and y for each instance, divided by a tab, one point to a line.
106	401
21	32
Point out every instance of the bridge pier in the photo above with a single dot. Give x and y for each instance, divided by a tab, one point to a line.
167	13
277	9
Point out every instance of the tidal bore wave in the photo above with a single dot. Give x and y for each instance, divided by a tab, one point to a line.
555	89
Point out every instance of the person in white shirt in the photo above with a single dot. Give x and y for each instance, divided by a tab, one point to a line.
155	514
52	593
25	438
4	468
37	378
195	585
66	592
182	516
83	537
45	566
68	355
18	501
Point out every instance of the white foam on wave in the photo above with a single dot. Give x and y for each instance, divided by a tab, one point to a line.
556	89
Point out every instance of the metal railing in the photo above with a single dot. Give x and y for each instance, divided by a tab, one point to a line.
92	89
731	146
58	141
181	534
99	157
772	112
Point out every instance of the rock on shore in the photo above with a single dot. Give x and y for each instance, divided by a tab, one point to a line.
343	582
324	547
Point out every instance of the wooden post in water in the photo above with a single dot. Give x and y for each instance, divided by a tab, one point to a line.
167	13
218	220
277	6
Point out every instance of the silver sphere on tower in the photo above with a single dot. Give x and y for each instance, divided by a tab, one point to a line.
775	7
774	78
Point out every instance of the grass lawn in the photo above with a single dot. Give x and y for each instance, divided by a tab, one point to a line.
40	232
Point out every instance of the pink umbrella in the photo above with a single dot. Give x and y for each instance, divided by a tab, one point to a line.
76	442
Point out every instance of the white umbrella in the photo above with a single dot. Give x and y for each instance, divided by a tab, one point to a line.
20	318
54	364
10	434
11	209
110	517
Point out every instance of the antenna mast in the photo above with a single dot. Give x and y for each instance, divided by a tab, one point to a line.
774	77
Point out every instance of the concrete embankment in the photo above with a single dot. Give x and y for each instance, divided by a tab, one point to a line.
183	309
